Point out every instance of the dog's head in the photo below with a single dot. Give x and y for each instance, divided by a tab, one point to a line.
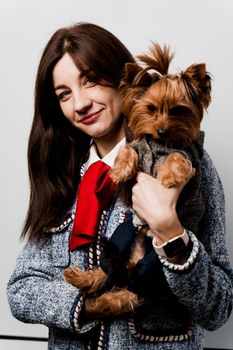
168	107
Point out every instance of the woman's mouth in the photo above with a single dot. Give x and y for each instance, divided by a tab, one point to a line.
91	117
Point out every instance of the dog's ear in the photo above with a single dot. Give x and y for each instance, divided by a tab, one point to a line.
198	83
133	85
135	76
130	71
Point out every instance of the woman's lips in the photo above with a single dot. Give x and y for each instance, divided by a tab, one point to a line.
89	118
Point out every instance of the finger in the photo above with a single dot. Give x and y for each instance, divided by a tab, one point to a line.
140	175
143	176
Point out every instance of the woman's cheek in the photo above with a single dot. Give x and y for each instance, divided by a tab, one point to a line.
66	110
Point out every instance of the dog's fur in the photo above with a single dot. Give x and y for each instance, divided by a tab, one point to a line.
164	113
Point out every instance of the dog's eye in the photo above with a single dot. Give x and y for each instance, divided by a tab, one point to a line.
151	108
179	111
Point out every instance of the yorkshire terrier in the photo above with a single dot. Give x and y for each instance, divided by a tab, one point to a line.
164	113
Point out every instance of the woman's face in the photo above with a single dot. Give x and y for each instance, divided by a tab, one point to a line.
92	108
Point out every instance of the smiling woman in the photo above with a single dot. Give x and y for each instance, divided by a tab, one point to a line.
93	108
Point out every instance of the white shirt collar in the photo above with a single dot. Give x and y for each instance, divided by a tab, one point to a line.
109	158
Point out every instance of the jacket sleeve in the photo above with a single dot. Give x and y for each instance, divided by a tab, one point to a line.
206	286
37	292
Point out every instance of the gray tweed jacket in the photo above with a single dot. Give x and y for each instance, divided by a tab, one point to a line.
203	290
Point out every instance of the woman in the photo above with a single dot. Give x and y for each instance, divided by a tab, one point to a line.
77	121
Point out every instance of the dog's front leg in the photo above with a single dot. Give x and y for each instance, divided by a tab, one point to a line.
175	170
117	302
126	165
88	282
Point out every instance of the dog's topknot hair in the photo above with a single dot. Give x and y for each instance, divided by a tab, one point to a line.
158	58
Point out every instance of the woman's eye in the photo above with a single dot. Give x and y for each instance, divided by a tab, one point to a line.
63	95
88	81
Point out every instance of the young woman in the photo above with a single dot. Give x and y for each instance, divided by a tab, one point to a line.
77	121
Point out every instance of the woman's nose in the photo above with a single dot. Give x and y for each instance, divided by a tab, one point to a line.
82	101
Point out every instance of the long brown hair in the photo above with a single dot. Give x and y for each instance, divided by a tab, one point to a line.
57	149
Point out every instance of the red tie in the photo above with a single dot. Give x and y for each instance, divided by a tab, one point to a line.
95	192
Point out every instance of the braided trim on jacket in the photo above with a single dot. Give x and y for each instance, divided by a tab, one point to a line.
157	338
76	310
92	260
191	259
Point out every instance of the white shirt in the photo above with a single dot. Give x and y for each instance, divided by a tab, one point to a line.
108	158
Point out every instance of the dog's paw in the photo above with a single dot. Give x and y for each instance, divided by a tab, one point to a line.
77	278
125	167
175	170
88	282
115	303
71	274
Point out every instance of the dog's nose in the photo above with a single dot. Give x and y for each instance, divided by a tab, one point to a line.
162	132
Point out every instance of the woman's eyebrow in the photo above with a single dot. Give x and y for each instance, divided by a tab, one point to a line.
58	87
86	72
81	75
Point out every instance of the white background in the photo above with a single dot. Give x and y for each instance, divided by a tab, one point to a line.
198	31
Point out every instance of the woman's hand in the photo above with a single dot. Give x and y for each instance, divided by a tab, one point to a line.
157	206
